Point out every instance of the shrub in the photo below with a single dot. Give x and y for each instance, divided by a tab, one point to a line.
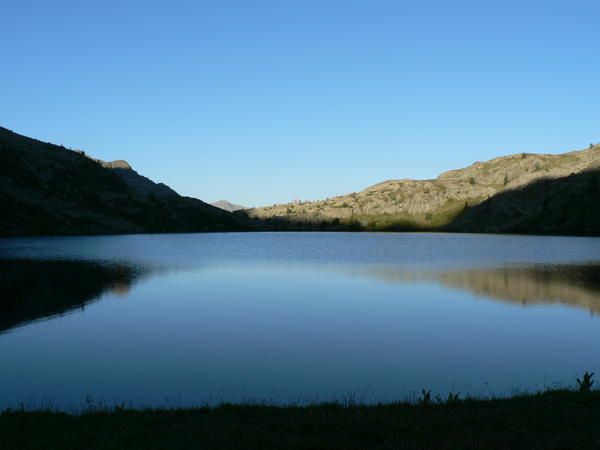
425	398
453	398
586	382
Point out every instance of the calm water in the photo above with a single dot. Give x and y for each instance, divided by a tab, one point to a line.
174	320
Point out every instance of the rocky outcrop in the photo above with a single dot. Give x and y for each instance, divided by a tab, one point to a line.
118	164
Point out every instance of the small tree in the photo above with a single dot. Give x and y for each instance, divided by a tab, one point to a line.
506	180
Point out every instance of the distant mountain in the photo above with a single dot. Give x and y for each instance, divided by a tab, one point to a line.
227	206
441	203
49	189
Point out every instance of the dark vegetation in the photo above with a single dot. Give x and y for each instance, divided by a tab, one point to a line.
557	419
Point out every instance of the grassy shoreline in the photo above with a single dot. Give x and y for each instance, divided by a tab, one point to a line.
555	419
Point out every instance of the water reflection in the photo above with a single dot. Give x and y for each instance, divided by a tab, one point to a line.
38	289
569	285
32	290
574	285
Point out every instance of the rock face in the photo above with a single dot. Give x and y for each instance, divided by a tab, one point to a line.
431	204
227	206
48	189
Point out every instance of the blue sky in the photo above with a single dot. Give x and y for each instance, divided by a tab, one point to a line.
261	102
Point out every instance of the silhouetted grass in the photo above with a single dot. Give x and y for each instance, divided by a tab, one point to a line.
557	419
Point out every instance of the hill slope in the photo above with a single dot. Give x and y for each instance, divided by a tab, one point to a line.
48	189
432	204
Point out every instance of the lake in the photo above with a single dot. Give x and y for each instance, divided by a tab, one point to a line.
188	319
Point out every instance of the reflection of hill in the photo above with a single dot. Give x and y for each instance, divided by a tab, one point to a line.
32	290
568	284
577	286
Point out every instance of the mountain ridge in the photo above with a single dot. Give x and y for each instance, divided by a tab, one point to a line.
47	189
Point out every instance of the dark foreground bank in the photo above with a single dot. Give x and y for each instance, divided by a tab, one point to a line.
550	420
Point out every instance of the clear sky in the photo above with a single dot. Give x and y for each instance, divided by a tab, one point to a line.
260	102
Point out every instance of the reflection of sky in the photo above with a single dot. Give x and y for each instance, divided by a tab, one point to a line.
284	330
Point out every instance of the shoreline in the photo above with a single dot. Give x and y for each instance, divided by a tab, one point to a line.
550	419
292	231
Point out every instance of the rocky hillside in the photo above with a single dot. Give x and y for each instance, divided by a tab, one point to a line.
430	204
48	189
228	206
